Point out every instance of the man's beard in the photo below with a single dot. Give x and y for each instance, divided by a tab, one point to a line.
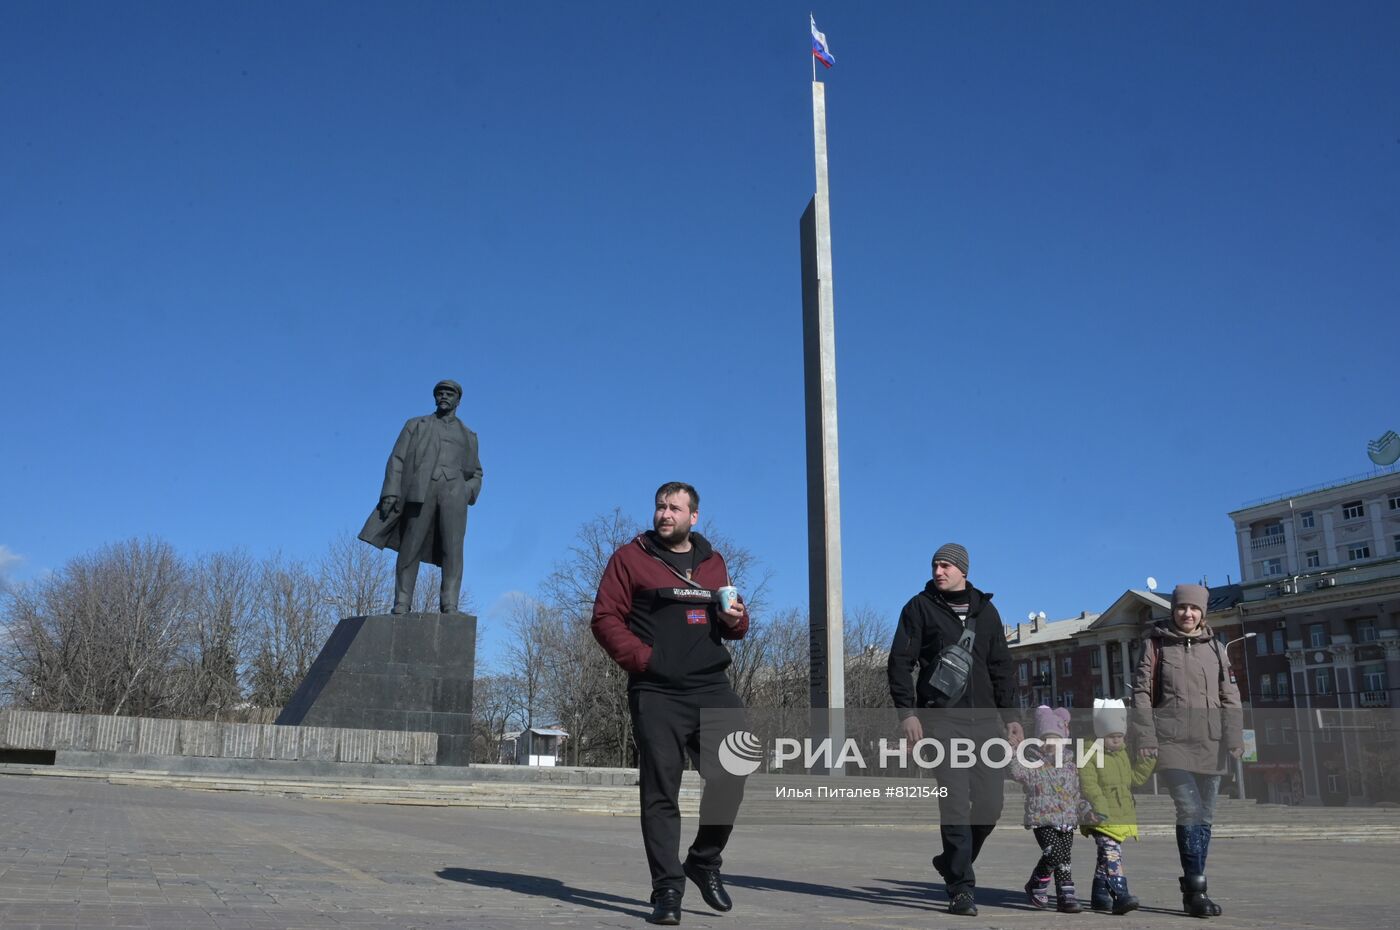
679	534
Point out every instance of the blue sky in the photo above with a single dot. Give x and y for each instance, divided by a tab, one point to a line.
1103	272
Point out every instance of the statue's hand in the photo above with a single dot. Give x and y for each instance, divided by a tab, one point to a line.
387	505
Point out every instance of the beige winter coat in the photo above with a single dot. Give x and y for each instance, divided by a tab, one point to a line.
1191	716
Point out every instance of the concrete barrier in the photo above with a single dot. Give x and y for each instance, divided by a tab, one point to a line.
145	736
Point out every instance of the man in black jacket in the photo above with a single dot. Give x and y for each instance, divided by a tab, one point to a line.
932	620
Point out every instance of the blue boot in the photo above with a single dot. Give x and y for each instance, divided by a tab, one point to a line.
1100	898
1123	902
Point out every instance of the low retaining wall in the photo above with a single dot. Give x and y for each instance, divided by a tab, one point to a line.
39	730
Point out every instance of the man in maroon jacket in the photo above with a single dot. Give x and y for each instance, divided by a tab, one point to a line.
658	616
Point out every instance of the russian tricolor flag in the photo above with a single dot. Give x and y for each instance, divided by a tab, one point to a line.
820	50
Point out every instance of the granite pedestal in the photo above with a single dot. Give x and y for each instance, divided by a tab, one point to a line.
410	672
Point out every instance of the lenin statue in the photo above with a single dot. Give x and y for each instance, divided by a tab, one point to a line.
433	476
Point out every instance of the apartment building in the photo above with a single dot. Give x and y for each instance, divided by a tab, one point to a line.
1321	570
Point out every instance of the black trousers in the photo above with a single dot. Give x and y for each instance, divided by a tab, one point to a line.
666	727
967	815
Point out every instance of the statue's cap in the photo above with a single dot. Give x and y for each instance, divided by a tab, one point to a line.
448	383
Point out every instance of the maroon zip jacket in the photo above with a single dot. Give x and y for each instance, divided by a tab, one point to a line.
662	629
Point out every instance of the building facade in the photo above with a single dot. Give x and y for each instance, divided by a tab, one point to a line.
1321	570
1069	663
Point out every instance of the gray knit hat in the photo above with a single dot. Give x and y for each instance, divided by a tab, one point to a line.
1192	594
953	554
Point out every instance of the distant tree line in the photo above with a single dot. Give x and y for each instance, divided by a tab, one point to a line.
134	628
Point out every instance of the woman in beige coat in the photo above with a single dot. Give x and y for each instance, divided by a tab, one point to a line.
1186	712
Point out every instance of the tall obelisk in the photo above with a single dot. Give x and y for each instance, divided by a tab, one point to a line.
828	677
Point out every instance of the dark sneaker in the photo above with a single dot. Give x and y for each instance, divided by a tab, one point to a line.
962	905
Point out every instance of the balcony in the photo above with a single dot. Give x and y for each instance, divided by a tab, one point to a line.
1268	541
1375	698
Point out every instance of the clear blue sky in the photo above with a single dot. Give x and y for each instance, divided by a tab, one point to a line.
1103	272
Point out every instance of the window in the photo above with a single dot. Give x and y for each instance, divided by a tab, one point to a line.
1395	540
1045	669
1395	502
1266	687
1023	673
1096	660
1287	731
1334	784
1261	645
1373	678
1366	631
1305	519
1274	529
1317	635
1279	648
1357	553
1066	666
1281	685
1271	567
1353	510
1313	558
1024	700
1066	698
1322	681
1271	732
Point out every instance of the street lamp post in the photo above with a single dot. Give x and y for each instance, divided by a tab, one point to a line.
1249	687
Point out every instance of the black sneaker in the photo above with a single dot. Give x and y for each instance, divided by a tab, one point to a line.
962	905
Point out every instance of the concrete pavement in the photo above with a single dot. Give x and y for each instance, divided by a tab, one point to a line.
79	853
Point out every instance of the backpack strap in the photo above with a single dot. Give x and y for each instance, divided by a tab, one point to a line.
969	633
1156	670
1157	666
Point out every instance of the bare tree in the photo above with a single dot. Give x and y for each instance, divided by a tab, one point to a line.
867	635
573	584
531	627
357	578
495	705
587	692
292	624
99	635
781	678
206	674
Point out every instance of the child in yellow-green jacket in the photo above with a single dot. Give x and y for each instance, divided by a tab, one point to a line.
1108	789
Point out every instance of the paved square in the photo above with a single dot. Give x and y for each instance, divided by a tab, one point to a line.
79	853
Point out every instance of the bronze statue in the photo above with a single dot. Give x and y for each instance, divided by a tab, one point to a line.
433	476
